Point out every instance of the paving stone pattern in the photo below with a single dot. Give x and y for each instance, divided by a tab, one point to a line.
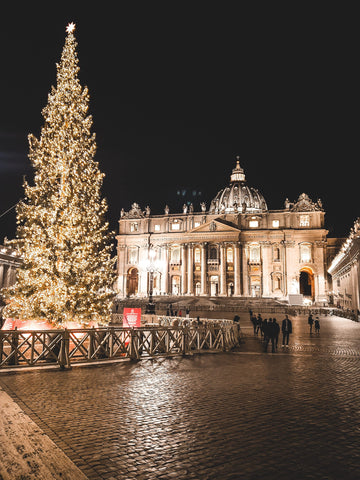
293	414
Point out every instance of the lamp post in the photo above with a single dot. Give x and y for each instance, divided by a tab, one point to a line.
150	267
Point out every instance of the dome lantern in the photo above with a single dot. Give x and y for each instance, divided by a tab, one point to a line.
238	172
238	197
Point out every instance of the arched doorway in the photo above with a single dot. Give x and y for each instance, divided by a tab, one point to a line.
175	285
214	285
306	281
132	282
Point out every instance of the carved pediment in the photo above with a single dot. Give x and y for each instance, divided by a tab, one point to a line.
216	225
134	212
305	204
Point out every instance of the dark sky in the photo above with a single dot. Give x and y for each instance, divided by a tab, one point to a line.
178	90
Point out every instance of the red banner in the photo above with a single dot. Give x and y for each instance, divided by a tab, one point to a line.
132	317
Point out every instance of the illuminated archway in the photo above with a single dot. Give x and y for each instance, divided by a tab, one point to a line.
132	281
175	285
306	282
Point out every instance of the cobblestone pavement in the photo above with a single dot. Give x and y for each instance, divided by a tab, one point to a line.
294	414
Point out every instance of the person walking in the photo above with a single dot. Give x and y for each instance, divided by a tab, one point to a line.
310	322
276	327
264	330
286	328
317	325
259	324
254	323
270	335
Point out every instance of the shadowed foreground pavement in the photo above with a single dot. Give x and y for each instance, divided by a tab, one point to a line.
294	414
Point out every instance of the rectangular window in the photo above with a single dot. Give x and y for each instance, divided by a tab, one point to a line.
255	253
305	253
253	223
134	227
133	255
275	223
175	226
196	224
304	221
157	228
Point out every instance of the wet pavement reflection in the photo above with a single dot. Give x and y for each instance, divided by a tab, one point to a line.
241	415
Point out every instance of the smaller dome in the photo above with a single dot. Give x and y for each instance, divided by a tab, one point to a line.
238	197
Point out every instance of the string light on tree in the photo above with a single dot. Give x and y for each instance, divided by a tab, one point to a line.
62	233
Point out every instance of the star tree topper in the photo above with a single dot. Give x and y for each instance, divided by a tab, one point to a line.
70	28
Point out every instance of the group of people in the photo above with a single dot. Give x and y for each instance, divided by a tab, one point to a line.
170	312
315	322
270	330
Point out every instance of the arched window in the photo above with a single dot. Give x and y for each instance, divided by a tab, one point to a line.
255	253
197	255
230	255
175	255
277	283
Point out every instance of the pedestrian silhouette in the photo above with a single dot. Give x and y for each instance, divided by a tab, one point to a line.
310	322
317	325
276	327
264	329
254	323
270	335
259	324
286	328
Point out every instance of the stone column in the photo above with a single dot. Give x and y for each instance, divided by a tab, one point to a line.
190	269
121	278
143	284
165	276
1	276
355	283
237	272
183	269
12	275
223	270
203	290
245	273
266	279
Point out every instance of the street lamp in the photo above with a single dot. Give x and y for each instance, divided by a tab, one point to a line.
151	266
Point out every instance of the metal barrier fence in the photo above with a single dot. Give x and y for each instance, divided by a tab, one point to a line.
26	348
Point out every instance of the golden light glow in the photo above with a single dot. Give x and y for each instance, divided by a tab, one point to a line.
70	28
67	271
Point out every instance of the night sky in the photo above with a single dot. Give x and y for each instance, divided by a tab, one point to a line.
178	91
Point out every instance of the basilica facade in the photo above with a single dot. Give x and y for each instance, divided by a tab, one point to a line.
345	272
235	247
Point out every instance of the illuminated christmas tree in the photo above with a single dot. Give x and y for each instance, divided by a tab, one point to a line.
62	233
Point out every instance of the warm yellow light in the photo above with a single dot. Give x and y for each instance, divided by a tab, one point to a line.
70	28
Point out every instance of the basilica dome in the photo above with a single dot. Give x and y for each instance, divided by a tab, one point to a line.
238	197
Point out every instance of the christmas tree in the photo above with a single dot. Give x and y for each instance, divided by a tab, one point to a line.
62	233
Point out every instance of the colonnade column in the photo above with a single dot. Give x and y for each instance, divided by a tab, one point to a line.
183	269
1	276
190	273
121	280
203	289
237	283
222	270
165	276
